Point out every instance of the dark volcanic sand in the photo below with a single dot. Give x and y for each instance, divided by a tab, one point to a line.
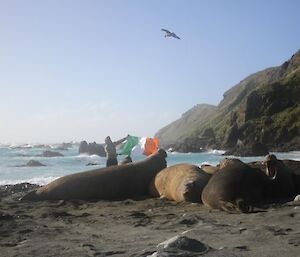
136	227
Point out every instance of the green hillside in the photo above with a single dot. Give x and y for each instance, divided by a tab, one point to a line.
264	107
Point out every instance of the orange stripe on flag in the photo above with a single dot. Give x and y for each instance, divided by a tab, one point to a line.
151	146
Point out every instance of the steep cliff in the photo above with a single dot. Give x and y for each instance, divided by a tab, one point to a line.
264	108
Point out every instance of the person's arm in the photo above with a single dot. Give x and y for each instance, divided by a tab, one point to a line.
120	141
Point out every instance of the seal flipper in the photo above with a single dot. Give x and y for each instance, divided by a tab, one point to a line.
240	206
31	196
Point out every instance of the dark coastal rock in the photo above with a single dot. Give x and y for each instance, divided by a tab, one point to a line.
66	145
51	154
255	149
32	163
83	147
92	148
98	149
41	146
92	164
232	136
63	146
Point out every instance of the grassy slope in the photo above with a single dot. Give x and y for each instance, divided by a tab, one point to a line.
269	86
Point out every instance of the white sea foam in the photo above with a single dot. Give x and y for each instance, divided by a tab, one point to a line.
86	157
215	151
38	180
173	152
208	163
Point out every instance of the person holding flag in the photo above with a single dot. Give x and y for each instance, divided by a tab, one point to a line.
111	152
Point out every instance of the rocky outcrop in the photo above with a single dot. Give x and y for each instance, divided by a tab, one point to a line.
51	154
32	163
92	148
252	149
263	108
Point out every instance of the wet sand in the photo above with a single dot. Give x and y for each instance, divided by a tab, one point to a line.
136	227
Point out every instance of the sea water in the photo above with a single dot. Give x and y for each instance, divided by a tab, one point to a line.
12	157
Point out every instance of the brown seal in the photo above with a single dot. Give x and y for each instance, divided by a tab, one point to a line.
115	182
210	169
283	184
181	182
237	187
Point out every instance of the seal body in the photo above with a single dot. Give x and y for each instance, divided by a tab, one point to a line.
114	182
236	187
210	169
181	182
283	184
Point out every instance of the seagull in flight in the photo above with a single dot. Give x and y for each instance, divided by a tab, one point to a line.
170	34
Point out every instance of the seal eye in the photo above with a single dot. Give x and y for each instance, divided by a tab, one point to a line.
271	169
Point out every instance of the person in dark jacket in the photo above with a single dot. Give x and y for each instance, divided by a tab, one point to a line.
111	152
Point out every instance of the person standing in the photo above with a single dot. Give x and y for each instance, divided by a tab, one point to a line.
111	152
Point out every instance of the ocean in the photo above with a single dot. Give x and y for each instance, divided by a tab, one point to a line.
12	157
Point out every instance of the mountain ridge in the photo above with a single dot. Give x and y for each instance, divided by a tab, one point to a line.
264	107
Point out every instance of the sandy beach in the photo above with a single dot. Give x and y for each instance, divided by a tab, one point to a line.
136	227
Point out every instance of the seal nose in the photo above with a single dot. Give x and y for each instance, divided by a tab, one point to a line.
162	152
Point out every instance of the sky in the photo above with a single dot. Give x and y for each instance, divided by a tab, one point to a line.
75	70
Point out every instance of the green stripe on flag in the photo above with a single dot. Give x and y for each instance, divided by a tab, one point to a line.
130	142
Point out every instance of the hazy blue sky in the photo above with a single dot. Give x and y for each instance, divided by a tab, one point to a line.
74	70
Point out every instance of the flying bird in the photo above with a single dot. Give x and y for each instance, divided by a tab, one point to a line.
170	34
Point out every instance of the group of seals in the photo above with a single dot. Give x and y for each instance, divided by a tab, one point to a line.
232	186
236	187
114	182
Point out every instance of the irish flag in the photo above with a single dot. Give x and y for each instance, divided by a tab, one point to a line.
135	146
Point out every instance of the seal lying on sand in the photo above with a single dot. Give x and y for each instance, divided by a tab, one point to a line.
115	182
291	167
181	182
236	186
210	169
282	185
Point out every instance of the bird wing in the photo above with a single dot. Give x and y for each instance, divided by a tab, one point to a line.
174	35
165	30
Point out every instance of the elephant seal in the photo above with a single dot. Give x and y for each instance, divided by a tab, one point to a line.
110	183
282	185
210	169
181	182
237	186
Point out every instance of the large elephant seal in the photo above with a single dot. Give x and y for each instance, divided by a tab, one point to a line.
291	168
282	185
181	182
237	186
210	169
115	182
